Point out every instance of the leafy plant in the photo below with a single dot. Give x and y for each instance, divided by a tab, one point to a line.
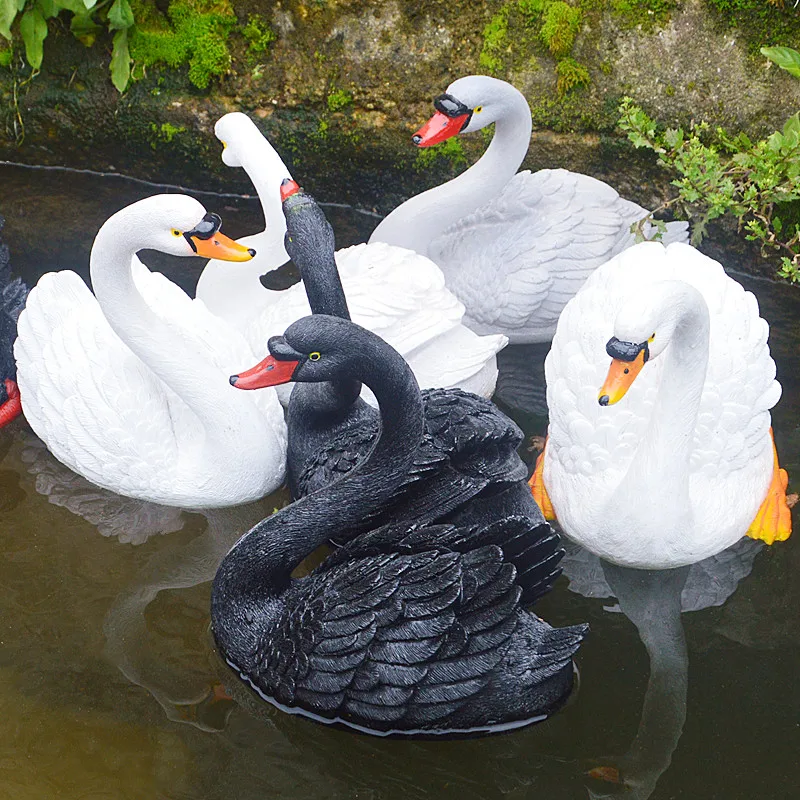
88	18
785	58
757	182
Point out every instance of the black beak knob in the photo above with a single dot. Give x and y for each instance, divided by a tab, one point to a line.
603	399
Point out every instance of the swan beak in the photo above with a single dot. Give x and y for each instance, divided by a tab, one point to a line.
222	248
621	374
12	408
269	372
438	128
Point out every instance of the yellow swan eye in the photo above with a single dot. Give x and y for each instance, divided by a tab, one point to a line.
314	356
477	109
176	232
224	144
651	338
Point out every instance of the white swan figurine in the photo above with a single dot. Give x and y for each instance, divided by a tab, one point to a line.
129	387
392	291
666	457
514	247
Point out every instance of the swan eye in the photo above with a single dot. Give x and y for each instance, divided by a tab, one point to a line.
652	337
314	356
176	232
477	109
224	144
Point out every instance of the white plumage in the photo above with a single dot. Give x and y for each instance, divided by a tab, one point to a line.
514	247
392	291
660	479
164	425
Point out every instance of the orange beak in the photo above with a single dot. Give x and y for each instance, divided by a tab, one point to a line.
12	408
621	374
221	247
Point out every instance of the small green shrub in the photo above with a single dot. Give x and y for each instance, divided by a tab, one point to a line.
757	182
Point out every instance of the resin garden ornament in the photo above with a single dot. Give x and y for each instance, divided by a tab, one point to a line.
13	293
467	460
666	456
514	247
408	628
128	386
393	292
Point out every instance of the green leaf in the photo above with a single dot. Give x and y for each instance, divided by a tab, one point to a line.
34	31
785	58
120	16
49	8
8	12
89	4
120	61
84	28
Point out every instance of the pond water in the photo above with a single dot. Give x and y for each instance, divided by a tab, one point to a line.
110	686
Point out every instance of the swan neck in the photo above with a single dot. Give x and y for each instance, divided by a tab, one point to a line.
264	558
661	463
419	221
169	355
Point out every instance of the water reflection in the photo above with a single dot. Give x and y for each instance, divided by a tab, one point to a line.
653	600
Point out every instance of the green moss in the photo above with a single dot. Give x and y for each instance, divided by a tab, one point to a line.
494	41
339	99
760	23
258	34
5	54
165	132
560	27
197	35
645	13
449	150
571	75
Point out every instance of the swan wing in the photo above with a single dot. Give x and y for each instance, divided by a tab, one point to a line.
401	641
534	245
96	406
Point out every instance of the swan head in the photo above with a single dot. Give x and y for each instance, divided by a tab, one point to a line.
309	236
236	131
643	328
469	104
314	349
174	224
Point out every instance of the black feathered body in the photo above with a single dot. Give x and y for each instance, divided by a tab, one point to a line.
405	631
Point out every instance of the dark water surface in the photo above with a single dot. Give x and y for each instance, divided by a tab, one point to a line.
109	684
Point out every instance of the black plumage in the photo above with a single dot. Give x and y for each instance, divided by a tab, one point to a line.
467	455
409	627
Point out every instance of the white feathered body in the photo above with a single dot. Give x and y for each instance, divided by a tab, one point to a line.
517	260
102	412
402	297
603	504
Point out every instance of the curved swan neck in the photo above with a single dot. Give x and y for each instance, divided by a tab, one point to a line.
668	440
418	221
263	559
155	342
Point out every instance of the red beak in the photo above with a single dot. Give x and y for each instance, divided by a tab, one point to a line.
269	372
288	188
12	408
438	128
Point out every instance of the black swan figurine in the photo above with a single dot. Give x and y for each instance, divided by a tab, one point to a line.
466	462
405	629
13	293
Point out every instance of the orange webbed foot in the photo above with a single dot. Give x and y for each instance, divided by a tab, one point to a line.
773	522
538	490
